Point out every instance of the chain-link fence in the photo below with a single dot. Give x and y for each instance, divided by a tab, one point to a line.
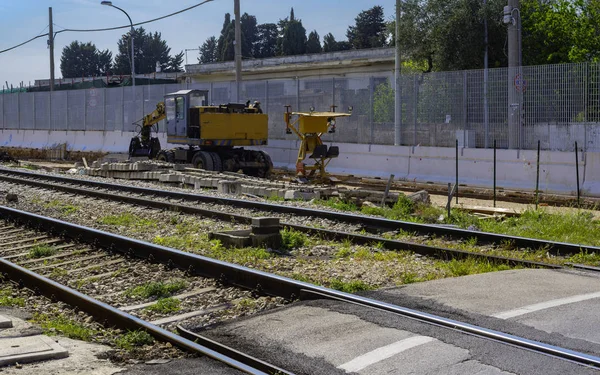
555	104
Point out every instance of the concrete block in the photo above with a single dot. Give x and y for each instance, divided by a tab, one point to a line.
295	194
5	322
29	349
105	166
229	187
272	240
234	238
170	177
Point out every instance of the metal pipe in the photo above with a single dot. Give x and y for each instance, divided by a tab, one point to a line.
495	173
109	3
577	172
457	171
238	51
397	79
537	178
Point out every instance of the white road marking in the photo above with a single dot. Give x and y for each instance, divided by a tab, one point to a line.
545	305
384	352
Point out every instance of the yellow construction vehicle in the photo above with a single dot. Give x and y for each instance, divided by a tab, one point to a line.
213	134
308	127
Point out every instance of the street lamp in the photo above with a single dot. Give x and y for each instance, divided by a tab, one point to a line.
110	4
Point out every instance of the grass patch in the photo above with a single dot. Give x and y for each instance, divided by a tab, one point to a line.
41	251
61	206
471	266
337	204
156	289
133	339
246	303
165	305
292	239
585	258
7	299
349	286
126	220
64	326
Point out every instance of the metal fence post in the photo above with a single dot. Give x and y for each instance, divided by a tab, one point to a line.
122	109
84	110
104	109
297	94
415	107
19	110
33	111
67	114
465	109
371	120
266	106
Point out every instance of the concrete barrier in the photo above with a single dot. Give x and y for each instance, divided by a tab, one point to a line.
515	169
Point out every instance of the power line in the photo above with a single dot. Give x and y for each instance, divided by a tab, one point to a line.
135	24
105	29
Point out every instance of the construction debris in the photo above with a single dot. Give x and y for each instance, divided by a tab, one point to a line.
6	157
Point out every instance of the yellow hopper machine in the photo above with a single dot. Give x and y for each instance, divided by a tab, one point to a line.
308	127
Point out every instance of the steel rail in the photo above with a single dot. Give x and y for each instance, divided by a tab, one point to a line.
555	247
267	283
433	251
111	315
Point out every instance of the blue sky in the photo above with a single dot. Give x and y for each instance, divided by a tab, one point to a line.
21	20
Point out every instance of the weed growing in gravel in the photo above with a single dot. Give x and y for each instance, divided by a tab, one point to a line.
58	272
60	324
156	289
41	251
584	257
165	305
292	239
132	339
61	206
349	286
471	266
7	299
337	204
126	220
245	303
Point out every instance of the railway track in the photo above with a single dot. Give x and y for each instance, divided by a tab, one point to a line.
79	249
185	204
205	205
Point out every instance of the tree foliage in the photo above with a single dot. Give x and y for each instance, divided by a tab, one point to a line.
293	41
266	44
150	49
80	59
313	44
370	29
249	34
208	51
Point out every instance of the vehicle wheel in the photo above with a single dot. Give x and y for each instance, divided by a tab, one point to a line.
265	159
203	160
134	145
217	162
166	156
154	147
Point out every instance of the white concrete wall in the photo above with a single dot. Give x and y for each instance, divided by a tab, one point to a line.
516	169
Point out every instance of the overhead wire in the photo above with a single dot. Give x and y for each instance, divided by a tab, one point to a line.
104	29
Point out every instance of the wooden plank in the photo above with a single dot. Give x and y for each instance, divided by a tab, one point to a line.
109	263
25	240
68	262
50	242
37	260
179	297
177	318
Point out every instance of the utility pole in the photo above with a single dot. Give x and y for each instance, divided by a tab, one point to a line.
398	86
516	82
51	45
238	50
486	110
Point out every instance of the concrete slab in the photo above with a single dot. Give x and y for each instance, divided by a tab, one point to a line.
353	345
29	349
5	322
553	301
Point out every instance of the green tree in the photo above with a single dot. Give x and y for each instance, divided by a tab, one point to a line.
208	51
329	43
369	30
225	43
249	35
266	45
150	49
449	34
84	60
294	37
313	44
383	103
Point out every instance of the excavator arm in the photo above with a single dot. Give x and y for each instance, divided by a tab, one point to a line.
144	144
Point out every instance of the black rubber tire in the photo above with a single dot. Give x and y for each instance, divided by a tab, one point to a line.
154	147
217	162
203	160
265	159
134	145
166	155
